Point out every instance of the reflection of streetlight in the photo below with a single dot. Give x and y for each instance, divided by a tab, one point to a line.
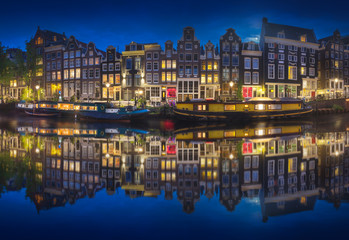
336	82
231	156
107	85
37	150
37	89
107	155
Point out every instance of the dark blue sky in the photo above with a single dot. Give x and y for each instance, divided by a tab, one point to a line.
119	22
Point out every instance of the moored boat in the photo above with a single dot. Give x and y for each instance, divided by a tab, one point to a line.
255	108
109	113
40	109
102	111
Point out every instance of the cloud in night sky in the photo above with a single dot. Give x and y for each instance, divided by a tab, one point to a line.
119	22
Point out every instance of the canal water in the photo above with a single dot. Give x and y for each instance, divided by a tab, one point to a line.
61	179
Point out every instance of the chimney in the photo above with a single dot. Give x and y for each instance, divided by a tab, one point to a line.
265	20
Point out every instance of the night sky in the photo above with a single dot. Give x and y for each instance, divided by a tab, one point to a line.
119	22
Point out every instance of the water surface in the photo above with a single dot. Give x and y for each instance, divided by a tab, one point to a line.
61	179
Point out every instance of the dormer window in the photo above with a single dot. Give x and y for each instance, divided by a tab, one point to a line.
133	47
281	35
304	38
188	37
39	41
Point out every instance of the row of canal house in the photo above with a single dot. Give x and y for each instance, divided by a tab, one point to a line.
284	174
287	62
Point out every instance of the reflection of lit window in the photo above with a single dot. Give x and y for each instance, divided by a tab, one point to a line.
260	132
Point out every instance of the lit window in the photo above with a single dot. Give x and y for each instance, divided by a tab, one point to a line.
259	106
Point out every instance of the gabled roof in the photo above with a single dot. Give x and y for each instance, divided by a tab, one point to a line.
253	46
49	36
291	32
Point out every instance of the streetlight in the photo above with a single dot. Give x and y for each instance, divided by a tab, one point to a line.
231	84
37	90
107	85
336	81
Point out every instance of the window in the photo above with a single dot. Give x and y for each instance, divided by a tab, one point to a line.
138	63
203	78
259	107
149	65
129	63
97	73
156	66
225	61
247	78
188	70
271	45
281	35
174	64
188	46
271	56
271	167
303	38
111	66
248	63
195	70
312	71
255	63
225	74
255	78
281	46
77	73
66	74
281	72
271	71
148	56
235	60
90	61
226	47
104	67
303	71
292	73
91	73
156	77
188	57
281	57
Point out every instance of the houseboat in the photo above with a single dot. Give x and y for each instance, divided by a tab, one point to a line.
255	108
40	109
103	111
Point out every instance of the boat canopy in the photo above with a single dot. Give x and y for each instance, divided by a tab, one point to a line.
257	99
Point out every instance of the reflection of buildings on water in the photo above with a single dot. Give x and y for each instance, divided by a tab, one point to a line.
289	176
334	166
284	169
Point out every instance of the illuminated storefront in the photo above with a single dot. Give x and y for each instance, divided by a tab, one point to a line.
282	90
252	91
